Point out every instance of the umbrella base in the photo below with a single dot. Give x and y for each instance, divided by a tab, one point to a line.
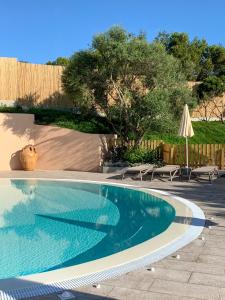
185	172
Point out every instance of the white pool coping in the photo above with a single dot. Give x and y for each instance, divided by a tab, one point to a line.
175	237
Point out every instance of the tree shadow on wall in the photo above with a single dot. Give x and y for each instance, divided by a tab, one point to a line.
56	100
52	142
83	150
13	122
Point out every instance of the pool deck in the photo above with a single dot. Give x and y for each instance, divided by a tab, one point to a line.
200	271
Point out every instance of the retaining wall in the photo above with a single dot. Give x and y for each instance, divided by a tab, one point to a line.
58	148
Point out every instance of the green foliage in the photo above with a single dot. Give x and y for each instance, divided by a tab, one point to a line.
65	119
197	58
178	98
193	55
131	81
218	59
60	61
87	123
210	87
139	155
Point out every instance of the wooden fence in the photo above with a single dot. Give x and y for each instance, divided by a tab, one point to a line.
199	154
31	84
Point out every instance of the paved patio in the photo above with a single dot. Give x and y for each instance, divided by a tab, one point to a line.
200	271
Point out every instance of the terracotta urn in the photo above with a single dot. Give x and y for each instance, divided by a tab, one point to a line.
28	158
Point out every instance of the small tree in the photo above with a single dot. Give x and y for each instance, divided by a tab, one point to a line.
218	59
208	92
60	61
132	82
194	56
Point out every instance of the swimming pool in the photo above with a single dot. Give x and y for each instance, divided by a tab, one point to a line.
49	226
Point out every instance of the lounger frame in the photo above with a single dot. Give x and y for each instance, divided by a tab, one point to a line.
172	173
211	173
140	173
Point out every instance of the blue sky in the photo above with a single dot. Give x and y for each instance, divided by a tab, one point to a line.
41	30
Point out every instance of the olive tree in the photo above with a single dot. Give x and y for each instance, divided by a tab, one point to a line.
136	84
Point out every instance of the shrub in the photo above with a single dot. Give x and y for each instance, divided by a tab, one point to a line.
66	119
139	155
211	87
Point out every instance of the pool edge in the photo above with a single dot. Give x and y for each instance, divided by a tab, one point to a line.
30	289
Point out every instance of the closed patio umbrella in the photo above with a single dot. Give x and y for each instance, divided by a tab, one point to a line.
186	129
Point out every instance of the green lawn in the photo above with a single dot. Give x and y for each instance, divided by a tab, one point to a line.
205	132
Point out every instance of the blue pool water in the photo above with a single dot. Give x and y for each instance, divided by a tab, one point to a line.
47	225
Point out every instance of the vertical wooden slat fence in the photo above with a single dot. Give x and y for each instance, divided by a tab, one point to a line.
31	84
199	154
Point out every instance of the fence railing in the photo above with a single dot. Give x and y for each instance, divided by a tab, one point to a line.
199	154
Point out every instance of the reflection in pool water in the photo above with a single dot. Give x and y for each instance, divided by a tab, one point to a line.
46	225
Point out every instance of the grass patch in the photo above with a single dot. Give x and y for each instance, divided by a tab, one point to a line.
205	133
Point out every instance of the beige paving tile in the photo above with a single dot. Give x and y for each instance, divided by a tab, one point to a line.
134	282
213	251
222	294
218	227
196	244
217	232
191	266
215	238
212	259
161	273
207	279
193	249
185	289
219	244
104	290
185	256
186	298
123	293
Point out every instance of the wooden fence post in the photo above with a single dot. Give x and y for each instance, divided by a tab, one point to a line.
166	153
222	158
172	154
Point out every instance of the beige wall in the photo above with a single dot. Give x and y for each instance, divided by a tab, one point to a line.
65	149
16	131
58	148
209	110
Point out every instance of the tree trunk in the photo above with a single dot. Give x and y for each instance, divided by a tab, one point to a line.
138	142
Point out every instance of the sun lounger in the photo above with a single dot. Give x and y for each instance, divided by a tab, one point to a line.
206	170
140	170
172	170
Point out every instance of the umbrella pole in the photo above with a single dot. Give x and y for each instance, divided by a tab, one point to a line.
187	151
